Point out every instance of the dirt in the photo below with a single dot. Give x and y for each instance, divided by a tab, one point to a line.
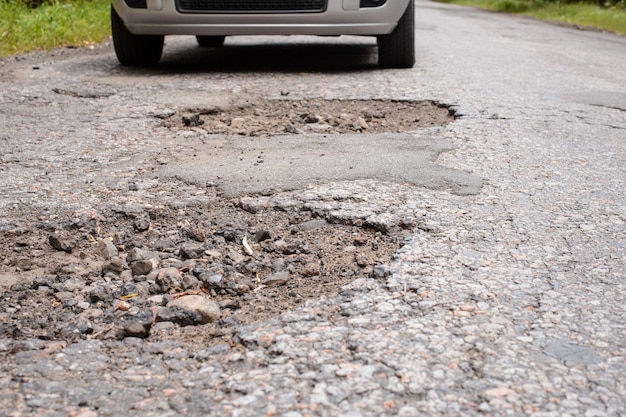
95	274
260	117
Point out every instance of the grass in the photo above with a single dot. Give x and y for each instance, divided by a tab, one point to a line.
611	19
51	25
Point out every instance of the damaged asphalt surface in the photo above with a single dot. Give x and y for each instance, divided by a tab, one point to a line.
161	255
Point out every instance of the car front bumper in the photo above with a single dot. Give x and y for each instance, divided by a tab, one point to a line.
341	17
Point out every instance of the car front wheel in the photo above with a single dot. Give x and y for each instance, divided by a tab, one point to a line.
397	49
134	50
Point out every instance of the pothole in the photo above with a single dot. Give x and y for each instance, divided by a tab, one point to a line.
251	262
276	117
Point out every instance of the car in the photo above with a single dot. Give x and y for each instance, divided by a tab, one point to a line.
139	26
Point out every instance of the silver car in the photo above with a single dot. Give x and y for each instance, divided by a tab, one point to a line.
139	26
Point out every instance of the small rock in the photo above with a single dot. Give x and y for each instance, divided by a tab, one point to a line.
156	299
311	269
236	257
230	304
143	266
289	128
63	295
253	205
106	249
178	315
231	234
311	118
115	265
162	325
192	120
129	288
127	275
212	280
188	251
287	248
164	113
169	279
360	124
381	271
62	242
279	265
121	305
98	293
83	305
213	254
163	244
137	254
262	235
196	234
276	279
40	282
141	224
77	327
361	260
207	310
24	264
73	284
138	325
190	282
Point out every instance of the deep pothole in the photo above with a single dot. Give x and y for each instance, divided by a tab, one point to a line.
251	261
277	117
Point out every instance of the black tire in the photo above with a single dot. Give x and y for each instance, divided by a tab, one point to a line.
135	50
397	49
210	41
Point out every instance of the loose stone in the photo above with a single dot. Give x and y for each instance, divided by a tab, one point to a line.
207	310
62	242
106	249
277	278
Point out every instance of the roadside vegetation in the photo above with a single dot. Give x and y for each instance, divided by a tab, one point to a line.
27	25
609	16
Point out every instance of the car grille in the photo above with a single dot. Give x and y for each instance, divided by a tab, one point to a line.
252	6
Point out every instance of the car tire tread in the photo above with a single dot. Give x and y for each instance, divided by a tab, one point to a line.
134	50
397	49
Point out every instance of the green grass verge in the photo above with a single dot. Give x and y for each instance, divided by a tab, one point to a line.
54	24
609	19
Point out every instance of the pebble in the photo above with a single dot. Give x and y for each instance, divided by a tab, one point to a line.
206	310
62	242
277	278
169	279
138	325
143	266
106	249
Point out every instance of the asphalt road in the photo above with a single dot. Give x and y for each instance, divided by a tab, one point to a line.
508	299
